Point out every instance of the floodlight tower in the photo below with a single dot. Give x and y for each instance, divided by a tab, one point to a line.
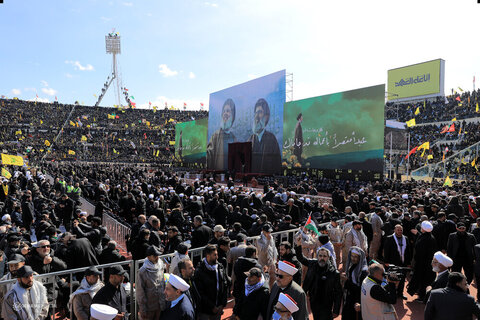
112	45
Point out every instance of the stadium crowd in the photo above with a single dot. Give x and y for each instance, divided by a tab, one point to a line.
91	133
335	256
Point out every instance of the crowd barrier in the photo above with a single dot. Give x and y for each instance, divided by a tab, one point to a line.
134	266
116	230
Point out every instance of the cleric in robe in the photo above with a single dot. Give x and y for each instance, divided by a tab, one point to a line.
265	150
298	147
217	147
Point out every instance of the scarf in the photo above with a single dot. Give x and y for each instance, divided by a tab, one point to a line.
361	266
85	287
150	266
37	293
401	249
356	239
213	268
249	289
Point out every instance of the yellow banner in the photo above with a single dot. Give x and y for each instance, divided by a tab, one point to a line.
172	143
6	174
8	159
71	152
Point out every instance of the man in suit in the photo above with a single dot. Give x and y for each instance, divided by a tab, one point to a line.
452	302
178	305
460	248
284	284
202	233
440	264
397	251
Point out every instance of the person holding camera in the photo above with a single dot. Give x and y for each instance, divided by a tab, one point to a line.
377	299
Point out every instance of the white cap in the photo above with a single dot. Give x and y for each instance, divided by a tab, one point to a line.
178	283
301	199
181	195
150	196
443	259
307	200
287	267
405	196
83	213
5	217
288	302
427	226
102	312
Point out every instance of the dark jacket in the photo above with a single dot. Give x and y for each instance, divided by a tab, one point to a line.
139	249
173	243
113	297
298	295
454	244
292	258
110	256
391	254
183	310
201	236
80	253
322	285
451	303
206	282
251	306
242	265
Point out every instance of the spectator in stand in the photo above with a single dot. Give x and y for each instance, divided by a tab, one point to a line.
81	300
202	233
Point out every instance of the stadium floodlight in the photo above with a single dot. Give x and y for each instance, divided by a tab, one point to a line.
112	43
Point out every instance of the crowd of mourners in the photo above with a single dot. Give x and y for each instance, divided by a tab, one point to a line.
90	133
352	256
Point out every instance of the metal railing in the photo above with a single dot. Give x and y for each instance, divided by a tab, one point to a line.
116	230
134	266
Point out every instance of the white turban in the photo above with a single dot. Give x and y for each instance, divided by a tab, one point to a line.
443	259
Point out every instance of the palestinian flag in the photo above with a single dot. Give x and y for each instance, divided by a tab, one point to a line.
310	225
470	210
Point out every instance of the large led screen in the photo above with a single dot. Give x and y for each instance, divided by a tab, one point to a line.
337	131
251	111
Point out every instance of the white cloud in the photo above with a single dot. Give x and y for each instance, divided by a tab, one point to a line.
39	99
105	19
191	75
16	92
159	102
68	75
211	4
49	91
165	70
44	83
128	4
78	66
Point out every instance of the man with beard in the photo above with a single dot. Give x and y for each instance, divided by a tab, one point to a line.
150	286
179	306
186	271
212	284
265	150
27	299
298	147
440	264
322	284
288	254
242	265
81	299
460	247
355	273
425	248
452	302
217	148
113	293
355	237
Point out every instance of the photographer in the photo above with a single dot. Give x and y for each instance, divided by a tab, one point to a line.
377	300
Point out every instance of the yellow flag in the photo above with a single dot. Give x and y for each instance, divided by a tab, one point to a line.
115	151
417	111
430	156
47	143
148	123
154	109
158	152
13	160
477	109
171	120
6	174
473	162
172	143
41	121
84	138
110	116
411	123
18	132
448	182
72	123
454	119
424	146
126	126
71	152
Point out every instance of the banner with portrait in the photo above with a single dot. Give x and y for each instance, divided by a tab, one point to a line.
251	111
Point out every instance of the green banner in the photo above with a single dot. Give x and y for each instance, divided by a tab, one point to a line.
337	131
191	141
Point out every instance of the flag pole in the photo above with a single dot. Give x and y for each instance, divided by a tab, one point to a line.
408	159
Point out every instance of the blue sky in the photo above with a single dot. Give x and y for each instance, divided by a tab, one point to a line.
182	50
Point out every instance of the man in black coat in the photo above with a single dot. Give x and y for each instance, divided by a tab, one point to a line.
202	233
460	248
397	251
80	252
66	210
254	300
322	284
287	253
212	284
28	212
440	264
242	265
110	254
113	293
179	307
92	233
174	239
452	302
